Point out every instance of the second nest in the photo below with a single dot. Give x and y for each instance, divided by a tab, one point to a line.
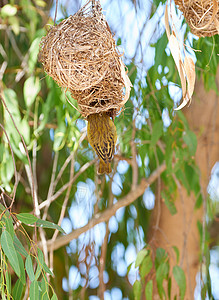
80	54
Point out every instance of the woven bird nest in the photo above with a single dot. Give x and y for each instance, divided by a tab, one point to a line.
80	54
202	16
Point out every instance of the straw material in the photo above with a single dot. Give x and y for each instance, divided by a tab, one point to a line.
80	54
202	16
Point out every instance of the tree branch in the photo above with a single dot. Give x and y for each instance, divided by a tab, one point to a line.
108	213
64	187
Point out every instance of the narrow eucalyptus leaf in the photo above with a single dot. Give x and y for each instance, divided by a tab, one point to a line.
9	250
34	290
137	290
180	278
19	247
29	268
27	218
140	256
42	262
149	290
18	290
21	265
47	224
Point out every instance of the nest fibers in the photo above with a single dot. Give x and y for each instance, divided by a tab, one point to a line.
202	16
80	54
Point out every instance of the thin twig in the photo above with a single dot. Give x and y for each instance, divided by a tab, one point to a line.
62	214
56	12
14	44
15	171
103	262
69	158
105	241
64	187
2	69
108	213
52	185
25	147
36	202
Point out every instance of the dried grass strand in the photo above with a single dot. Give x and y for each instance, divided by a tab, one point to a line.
202	16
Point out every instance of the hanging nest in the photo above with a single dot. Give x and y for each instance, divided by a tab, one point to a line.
80	54
202	16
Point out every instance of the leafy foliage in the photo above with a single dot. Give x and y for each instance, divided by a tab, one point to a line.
14	254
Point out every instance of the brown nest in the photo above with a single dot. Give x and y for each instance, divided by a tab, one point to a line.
202	16
80	54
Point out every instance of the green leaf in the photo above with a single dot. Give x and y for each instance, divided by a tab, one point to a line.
8	10
21	265
170	205
4	209
14	22
156	132
160	53
27	218
180	174
34	290
137	290
33	50
157	3
59	137
41	3
11	101
29	268
133	75
38	270
3	295
162	271
146	266
25	129
46	109
191	140
42	262
9	250
160	288
177	253
32	87
180	278
129	267
140	256
18	290
44	289
192	175
119	42
203	291
19	247
161	256
149	290
54	297
8	281
47	224
7	167
2	150
199	201
9	225
161	274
